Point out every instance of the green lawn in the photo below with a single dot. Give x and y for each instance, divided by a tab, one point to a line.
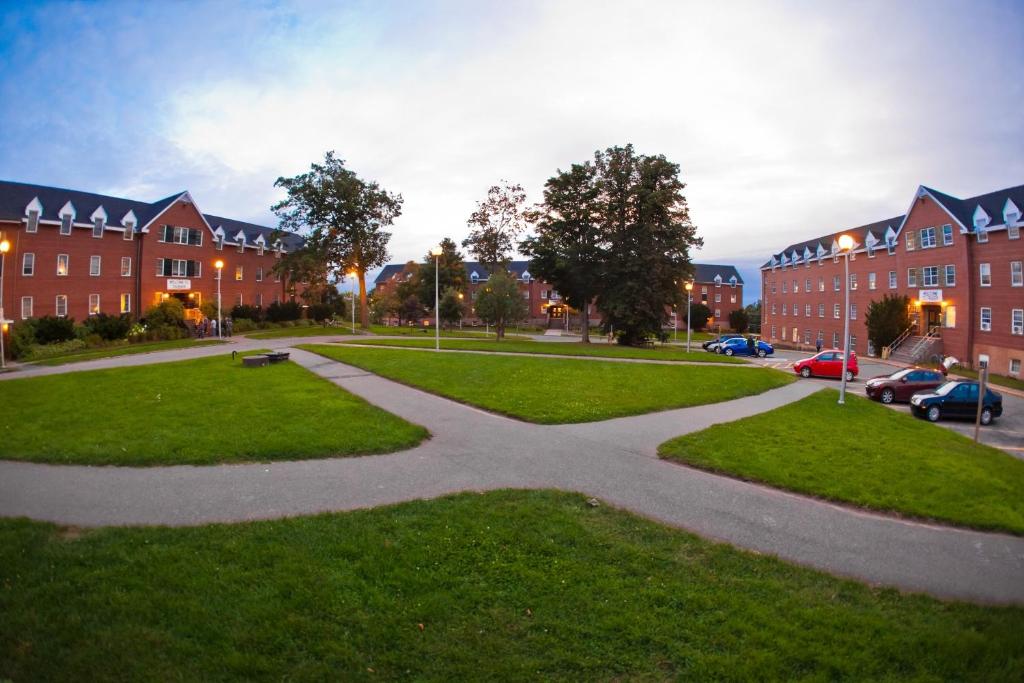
126	350
1000	380
868	455
310	331
504	586
202	411
558	390
466	333
559	348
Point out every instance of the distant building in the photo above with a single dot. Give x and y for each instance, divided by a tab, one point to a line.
958	260
720	288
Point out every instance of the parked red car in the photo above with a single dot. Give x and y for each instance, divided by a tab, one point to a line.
902	384
827	364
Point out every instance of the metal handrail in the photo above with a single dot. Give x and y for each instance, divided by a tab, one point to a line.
891	348
932	335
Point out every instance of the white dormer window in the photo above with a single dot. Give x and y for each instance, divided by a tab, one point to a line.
129	222
981	218
99	221
240	239
718	281
526	276
67	218
32	213
732	282
259	250
982	234
474	278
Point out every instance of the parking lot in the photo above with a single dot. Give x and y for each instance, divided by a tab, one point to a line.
1006	433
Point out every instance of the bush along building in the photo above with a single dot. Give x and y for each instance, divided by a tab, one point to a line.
958	262
718	287
76	254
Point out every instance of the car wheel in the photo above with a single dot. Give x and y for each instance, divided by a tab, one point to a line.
933	414
888	396
986	416
718	350
805	372
762	353
849	375
728	352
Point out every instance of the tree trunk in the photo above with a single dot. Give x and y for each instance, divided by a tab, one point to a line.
585	323
499	329
364	311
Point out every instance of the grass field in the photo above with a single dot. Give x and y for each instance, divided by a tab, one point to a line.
558	390
504	586
126	350
310	331
425	333
873	457
558	348
202	411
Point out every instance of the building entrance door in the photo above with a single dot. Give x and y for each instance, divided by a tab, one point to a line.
931	318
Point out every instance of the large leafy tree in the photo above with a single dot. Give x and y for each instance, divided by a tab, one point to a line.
450	307
496	224
887	319
343	218
451	272
647	226
569	247
499	302
699	314
738	320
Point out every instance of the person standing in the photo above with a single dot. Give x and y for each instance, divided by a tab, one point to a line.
213	327
228	326
817	344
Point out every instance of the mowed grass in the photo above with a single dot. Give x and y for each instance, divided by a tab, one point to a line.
310	331
557	390
503	586
868	455
428	333
126	350
208	410
557	348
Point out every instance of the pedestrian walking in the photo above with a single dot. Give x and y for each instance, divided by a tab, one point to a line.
213	327
199	329
817	344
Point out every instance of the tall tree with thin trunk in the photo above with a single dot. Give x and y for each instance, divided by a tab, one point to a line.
343	219
451	272
568	247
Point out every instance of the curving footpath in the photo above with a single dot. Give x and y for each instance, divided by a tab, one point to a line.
471	449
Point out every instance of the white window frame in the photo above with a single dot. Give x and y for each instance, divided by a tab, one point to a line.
929	276
259	273
984	275
853	282
1014	370
835	339
28	262
129	232
126	302
32	222
94	304
58	300
821	284
807	310
1013	232
982	235
872	281
911	277
67	265
894	279
949	273
26	300
837	314
821	310
95	265
928	240
126	266
853	311
1017	321
67	224
98	224
836	281
985	319
1017	273
947	235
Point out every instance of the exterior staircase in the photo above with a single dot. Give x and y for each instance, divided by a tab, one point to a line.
917	348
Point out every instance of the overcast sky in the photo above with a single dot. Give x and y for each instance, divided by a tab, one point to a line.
788	119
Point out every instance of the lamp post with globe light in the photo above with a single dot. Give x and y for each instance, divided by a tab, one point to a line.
436	253
845	246
219	265
689	298
353	275
5	246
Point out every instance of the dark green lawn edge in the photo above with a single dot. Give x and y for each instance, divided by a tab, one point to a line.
887	512
128	350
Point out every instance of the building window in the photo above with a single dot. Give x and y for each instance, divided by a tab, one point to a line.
241	250
785	287
219	243
807	285
62	305
97	227
951	275
892	279
927	238
703	289
796	287
870	249
28	264
947	235
853	343
872	283
732	298
785	309
65	224
890	245
773	286
796	334
985	271
32	224
773	308
238	299
94	304
911	240
718	297
807	310
930	276
259	273
129	232
259	251
177	235
94	265
1015	366
773	332
259	299
1016	274
277	276
239	272
1016	321
853	281
821	310
835	283
821	284
126	303
986	319
26	307
178	268
835	311
1013	233
807	336
62	265
126	266
911	277
853	311
982	234
835	340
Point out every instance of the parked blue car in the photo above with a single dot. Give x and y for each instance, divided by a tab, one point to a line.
740	347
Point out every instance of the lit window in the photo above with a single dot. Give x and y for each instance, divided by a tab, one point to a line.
94	265
853	281
835	311
872	283
986	319
126	303
26	307
911	240
94	304
821	284
985	271
239	272
62	265
62	305
28	264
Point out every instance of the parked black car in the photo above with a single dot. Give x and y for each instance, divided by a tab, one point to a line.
957	398
712	343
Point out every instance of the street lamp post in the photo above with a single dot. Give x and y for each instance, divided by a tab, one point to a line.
219	265
5	246
353	275
846	246
436	253
689	326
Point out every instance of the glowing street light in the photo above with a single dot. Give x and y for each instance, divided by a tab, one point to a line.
689	297
354	275
219	265
845	246
436	253
5	247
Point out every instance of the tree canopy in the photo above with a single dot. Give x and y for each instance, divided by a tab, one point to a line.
496	225
499	302
887	319
342	217
451	272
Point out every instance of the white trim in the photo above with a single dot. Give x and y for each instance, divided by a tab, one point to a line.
1010	209
923	191
68	208
180	197
980	218
100	212
34	205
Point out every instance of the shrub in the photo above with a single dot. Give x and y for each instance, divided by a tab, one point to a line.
50	329
22	338
168	313
108	327
254	313
282	311
209	309
243	325
41	351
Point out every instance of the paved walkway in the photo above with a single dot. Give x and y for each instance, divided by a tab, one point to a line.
471	449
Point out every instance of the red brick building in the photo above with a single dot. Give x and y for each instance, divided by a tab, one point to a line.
958	260
75	254
720	288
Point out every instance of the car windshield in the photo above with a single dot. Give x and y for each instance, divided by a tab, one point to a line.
900	374
946	388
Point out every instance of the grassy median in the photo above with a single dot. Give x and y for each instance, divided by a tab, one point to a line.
558	390
602	350
504	586
126	350
202	411
868	455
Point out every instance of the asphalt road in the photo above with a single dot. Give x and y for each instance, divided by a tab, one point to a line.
1006	433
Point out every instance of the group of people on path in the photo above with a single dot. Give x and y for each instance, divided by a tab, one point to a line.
207	327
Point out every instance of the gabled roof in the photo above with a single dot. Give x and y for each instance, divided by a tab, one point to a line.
859	235
706	272
14	197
